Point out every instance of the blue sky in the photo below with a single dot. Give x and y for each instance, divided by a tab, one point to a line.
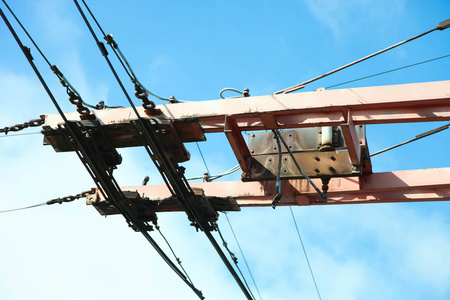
192	50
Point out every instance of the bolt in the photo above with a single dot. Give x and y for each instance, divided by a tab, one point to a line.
332	169
332	157
252	151
252	135
316	170
317	158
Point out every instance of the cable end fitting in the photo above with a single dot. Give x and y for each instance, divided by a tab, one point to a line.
443	25
276	200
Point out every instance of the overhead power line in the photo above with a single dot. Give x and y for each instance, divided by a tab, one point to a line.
124	62
235	260
170	171
306	255
389	71
441	26
102	178
242	253
418	137
63	80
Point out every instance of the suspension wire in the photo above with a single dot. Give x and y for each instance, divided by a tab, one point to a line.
242	253
235	260
418	137
54	68
54	201
389	71
304	251
124	62
19	134
23	208
204	161
441	26
173	252
322	195
140	227
187	206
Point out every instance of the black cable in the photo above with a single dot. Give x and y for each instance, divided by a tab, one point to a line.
101	184
150	139
242	253
54	68
26	32
278	194
389	71
234	259
104	34
322	195
140	121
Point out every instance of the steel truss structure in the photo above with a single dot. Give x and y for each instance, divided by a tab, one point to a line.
347	164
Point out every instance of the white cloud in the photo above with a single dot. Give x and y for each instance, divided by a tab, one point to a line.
343	18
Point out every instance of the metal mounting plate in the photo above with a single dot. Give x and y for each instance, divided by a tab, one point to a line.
314	164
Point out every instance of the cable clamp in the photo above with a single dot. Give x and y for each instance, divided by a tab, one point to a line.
110	40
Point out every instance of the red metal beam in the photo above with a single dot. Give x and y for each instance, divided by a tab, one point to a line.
418	102
399	186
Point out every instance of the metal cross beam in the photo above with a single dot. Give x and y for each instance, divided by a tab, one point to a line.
346	109
387	187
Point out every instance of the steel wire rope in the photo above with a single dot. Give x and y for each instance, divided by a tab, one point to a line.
19	134
23	208
242	253
186	205
92	170
58	73
441	26
53	201
304	251
234	259
417	137
389	71
204	161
